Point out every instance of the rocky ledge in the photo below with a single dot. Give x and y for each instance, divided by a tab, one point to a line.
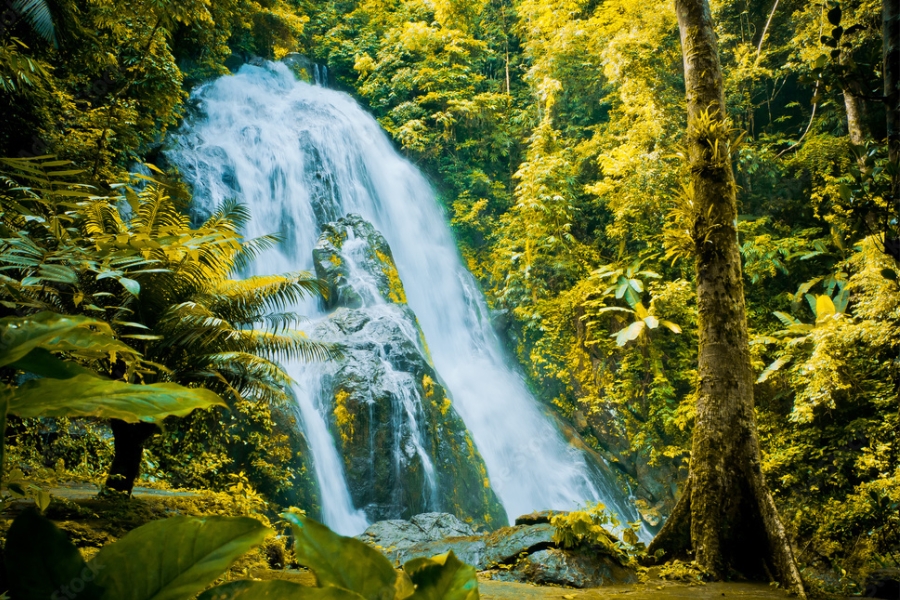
525	552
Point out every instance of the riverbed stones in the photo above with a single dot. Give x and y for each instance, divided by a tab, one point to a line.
499	547
521	553
431	534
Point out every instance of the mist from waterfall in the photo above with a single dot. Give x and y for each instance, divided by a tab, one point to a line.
299	156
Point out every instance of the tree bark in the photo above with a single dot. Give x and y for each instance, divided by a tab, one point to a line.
890	18
733	524
855	122
890	29
129	441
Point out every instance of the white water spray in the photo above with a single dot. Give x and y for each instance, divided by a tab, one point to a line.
299	156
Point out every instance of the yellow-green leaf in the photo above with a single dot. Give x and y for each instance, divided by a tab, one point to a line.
86	395
174	559
341	561
275	589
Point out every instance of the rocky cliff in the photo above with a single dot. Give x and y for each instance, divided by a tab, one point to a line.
405	449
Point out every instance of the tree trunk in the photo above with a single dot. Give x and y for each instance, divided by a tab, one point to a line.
891	55
890	24
129	441
726	513
855	123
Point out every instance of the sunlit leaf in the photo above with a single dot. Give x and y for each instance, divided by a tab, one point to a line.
176	558
629	333
20	335
90	396
824	307
773	368
442	577
341	561
674	327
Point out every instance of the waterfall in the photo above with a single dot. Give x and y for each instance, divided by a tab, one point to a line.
301	155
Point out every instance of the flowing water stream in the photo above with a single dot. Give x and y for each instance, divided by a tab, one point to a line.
300	155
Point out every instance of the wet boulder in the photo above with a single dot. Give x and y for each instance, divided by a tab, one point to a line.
401	540
471	550
437	526
396	535
578	568
508	543
538	516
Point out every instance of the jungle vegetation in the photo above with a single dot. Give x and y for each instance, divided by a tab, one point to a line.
559	139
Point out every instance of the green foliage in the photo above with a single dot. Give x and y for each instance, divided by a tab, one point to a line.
589	527
275	590
77	392
348	564
340	562
145	275
442	577
180	556
40	560
38	15
88	396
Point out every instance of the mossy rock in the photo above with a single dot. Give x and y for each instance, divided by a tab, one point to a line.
405	449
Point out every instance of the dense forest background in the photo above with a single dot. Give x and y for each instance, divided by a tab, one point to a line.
551	130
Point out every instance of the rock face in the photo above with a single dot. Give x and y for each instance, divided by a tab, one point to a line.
405	449
396	535
302	491
522	553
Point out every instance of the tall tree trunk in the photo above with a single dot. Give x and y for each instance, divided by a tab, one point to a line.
128	439
128	445
891	56
726	513
855	122
890	29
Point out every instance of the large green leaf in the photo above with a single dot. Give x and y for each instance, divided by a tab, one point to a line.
341	561
90	396
21	335
174	559
42	362
41	562
442	577
275	590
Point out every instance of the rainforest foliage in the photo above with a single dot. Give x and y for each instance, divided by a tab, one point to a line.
552	130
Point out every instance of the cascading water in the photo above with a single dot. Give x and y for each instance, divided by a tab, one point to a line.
300	155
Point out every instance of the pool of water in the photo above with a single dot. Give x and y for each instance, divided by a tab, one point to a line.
497	590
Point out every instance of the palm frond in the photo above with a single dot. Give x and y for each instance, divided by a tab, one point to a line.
231	216
251	250
38	15
242	299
